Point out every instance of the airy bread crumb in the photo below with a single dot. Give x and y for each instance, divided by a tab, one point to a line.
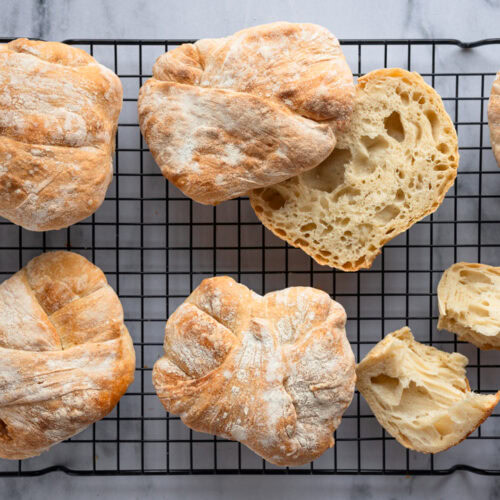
420	395
469	303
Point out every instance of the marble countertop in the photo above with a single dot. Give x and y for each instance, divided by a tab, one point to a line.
63	19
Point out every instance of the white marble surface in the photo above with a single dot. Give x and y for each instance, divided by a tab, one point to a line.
59	19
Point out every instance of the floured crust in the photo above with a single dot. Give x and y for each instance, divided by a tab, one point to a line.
288	74
420	395
469	303
59	111
390	168
275	372
494	117
66	356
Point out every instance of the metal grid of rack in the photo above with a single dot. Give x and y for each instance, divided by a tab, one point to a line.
155	246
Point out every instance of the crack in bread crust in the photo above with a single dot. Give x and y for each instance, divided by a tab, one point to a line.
58	120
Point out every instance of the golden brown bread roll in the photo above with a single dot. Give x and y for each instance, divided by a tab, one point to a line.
58	116
227	115
66	356
274	372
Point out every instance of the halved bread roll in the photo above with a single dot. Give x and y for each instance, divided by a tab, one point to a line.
391	167
469	303
420	395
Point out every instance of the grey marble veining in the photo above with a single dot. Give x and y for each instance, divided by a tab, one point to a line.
464	19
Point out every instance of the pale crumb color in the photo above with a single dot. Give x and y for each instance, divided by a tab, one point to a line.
66	356
224	116
420	395
494	117
275	372
390	168
469	303
59	111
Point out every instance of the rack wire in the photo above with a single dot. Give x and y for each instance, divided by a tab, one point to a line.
155	246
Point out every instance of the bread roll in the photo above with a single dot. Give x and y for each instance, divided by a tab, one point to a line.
66	356
227	115
275	372
58	116
469	303
390	168
420	395
494	117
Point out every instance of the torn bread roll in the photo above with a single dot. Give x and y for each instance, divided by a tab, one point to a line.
420	395
469	303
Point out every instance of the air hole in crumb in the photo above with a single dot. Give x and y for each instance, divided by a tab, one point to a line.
274	199
440	167
394	127
378	143
301	242
434	123
308	227
443	148
400	195
281	232
387	214
348	192
330	174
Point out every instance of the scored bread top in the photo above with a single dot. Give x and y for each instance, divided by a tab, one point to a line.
469	303
58	116
494	117
66	356
224	116
391	167
274	372
420	395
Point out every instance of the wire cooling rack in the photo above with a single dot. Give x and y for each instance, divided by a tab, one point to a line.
155	246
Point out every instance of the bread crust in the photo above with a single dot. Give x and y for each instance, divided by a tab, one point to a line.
420	395
59	112
342	212
275	372
494	117
223	116
469	303
66	356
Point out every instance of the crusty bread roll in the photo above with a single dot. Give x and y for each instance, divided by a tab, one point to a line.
274	372
66	356
494	117
469	303
58	116
227	115
390	168
420	395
